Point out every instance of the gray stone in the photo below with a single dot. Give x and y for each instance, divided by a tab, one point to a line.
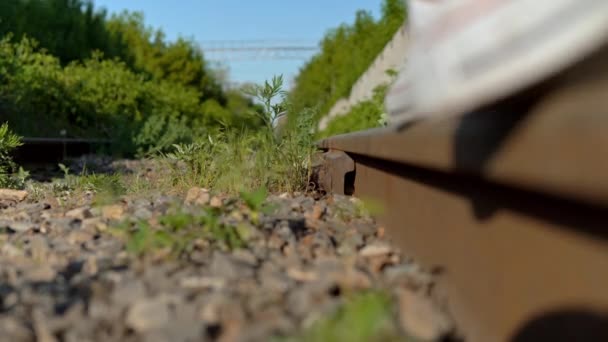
148	314
39	248
79	213
375	250
41	274
224	266
198	196
128	291
17	227
420	318
14	330
142	213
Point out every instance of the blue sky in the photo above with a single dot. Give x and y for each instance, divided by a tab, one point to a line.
208	20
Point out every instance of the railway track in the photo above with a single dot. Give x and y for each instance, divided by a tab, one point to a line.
47	150
509	205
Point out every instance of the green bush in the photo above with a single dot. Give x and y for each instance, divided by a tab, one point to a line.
245	159
68	65
364	115
99	98
8	142
346	53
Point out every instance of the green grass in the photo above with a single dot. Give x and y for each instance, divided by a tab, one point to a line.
10	175
107	188
365	317
176	231
233	161
364	115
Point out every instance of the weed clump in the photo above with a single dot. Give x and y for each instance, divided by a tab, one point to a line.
364	317
11	176
236	160
177	232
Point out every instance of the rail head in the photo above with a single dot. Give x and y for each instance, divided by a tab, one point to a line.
511	204
557	146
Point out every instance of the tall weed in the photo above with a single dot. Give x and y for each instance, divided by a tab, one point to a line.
243	159
10	174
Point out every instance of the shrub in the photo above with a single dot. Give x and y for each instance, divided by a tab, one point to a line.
364	115
8	142
346	53
243	159
100	98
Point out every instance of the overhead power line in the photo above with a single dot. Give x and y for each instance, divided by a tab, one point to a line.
235	50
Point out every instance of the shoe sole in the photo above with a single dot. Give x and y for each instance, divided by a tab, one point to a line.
488	58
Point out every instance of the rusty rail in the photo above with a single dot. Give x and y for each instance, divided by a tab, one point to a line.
511	205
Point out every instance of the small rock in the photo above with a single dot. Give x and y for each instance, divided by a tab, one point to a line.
41	274
63	223
275	242
310	298
202	283
17	227
269	321
112	212
245	256
148	314
224	266
10	251
43	333
77	237
128	291
349	244
12	195
375	250
223	318
79	213
318	211
408	275
13	330
39	248
353	279
93	223
142	213
197	196
301	276
90	266
216	202
420	318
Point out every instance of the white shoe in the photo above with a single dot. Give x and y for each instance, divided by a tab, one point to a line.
468	53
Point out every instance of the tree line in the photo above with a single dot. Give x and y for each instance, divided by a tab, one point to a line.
66	65
346	53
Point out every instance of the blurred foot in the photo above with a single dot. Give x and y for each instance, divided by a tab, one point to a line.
468	53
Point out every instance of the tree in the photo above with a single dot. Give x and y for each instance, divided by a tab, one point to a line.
346	52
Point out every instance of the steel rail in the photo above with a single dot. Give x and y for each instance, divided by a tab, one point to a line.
511	205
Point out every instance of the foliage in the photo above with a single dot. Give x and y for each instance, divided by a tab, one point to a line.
67	29
364	115
365	317
8	142
99	98
255	199
177	232
106	188
180	62
67	63
244	159
346	52
265	94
